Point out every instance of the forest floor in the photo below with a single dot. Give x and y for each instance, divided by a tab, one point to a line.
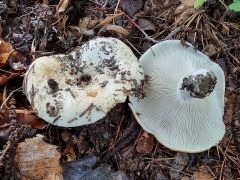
31	29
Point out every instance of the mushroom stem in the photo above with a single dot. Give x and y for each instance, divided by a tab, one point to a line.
199	84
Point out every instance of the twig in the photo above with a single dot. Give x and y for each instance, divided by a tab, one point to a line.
5	71
209	169
128	136
1	107
175	31
105	4
115	10
140	29
4	126
224	159
223	4
116	137
133	47
5	150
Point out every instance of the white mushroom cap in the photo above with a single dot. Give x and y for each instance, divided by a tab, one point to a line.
80	88
175	111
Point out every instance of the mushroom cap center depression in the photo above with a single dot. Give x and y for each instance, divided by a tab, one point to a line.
199	84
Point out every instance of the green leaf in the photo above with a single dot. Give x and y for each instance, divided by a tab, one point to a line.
235	6
198	3
236	0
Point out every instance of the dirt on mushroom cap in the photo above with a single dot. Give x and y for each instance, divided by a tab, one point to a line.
80	88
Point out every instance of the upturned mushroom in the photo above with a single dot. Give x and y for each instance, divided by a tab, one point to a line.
82	87
183	105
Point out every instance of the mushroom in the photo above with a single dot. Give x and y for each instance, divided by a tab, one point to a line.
184	97
82	87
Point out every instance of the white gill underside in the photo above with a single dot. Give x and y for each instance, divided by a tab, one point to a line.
190	126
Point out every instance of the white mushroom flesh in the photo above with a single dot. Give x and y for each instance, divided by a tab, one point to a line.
80	88
182	124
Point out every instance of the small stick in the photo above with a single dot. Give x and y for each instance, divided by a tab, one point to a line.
140	29
1	107
4	151
175	31
4	126
105	4
86	110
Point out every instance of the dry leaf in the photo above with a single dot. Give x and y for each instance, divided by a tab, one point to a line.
4	78
202	174
62	6
180	9
146	25
115	29
153	5
225	29
229	108
5	51
145	143
17	61
36	159
109	19
191	36
131	7
212	50
87	23
184	13
27	117
70	154
46	2
188	2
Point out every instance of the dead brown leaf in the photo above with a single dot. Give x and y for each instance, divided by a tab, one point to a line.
27	117
87	23
131	7
229	108
225	29
36	159
146	25
109	19
145	143
115	29
62	6
16	61
191	35
183	12
188	2
5	50
4	78
212	50
46	2
202	174
69	152
152	5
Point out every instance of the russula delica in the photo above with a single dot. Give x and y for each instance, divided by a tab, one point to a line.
81	87
184	97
